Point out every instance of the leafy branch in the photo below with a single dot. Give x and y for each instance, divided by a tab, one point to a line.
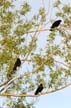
32	95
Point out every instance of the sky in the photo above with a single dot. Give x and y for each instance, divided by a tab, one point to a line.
59	99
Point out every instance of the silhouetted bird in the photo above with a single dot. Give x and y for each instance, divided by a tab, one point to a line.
39	89
55	24
17	64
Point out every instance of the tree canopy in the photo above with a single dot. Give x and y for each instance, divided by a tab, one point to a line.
45	55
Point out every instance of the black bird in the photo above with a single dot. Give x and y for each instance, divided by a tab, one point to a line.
55	24
17	64
39	89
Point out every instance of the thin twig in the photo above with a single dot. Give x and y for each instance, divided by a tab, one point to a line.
61	63
32	95
18	77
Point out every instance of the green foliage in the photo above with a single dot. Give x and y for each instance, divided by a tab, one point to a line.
5	4
42	14
25	8
38	59
5	29
66	9
60	14
32	44
52	35
22	28
56	79
57	3
8	18
20	105
18	37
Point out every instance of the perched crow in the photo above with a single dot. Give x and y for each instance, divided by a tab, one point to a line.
17	64
39	89
55	24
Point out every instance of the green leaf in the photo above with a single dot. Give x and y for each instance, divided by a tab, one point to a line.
25	8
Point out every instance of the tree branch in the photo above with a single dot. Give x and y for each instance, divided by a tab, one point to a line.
27	73
61	63
32	95
21	76
4	83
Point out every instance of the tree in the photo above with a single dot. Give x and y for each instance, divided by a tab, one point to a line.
49	64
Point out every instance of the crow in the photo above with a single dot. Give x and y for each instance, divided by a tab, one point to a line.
17	64
55	24
39	89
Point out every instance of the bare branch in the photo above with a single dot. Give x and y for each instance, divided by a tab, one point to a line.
32	95
61	63
27	73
